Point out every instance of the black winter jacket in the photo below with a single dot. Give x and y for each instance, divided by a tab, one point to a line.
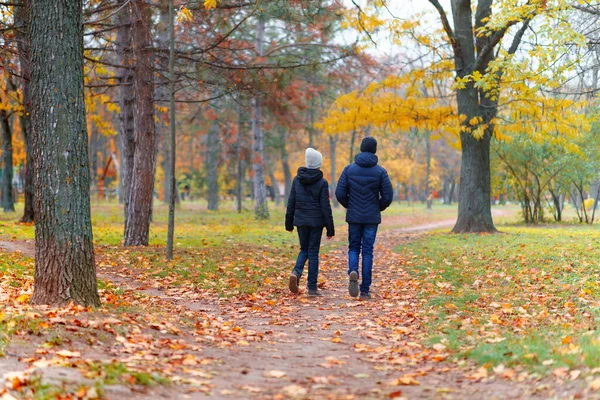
365	190
308	204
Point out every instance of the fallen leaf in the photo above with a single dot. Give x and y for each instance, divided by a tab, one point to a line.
275	374
295	390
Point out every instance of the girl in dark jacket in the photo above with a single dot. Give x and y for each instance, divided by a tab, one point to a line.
308	209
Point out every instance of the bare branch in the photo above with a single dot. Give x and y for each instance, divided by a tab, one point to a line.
447	27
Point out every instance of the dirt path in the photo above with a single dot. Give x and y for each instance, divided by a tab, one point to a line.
335	347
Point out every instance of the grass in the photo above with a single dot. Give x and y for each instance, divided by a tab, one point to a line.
528	297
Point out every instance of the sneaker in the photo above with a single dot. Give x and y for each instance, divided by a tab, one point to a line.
294	283
314	293
353	284
365	296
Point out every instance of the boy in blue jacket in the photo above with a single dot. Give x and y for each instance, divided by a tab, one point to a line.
365	190
308	209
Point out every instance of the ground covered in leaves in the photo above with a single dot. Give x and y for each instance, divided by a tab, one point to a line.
455	316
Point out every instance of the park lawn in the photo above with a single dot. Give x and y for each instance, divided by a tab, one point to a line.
527	297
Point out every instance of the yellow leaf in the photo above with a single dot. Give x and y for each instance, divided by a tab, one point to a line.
208	4
24	298
183	15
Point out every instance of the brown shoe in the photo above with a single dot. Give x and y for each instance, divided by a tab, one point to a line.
294	283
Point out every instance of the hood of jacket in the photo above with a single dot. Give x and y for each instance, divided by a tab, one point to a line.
308	176
366	159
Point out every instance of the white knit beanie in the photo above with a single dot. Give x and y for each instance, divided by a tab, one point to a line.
313	158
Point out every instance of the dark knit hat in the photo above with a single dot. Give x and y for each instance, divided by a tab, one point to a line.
369	144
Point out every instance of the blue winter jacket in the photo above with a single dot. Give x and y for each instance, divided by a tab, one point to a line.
365	190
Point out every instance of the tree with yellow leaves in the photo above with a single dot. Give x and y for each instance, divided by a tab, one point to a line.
482	47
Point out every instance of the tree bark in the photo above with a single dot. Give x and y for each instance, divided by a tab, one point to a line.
285	164
260	188
333	139
23	46
428	198
240	167
126	92
212	166
8	202
474	201
352	140
162	91
139	210
173	134
64	254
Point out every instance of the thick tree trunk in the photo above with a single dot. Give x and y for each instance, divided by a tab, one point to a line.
474	200
212	166
8	202
23	46
64	254
141	193
126	92
474	205
333	139
260	188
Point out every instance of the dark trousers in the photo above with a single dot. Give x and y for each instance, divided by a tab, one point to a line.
361	238
310	243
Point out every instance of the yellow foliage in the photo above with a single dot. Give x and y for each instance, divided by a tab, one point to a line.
185	14
208	4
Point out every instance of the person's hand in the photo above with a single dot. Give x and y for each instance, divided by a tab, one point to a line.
290	230
330	238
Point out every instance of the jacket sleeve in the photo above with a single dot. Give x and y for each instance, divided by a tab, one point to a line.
291	208
386	191
341	191
326	209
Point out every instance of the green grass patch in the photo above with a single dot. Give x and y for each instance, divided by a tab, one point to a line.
527	297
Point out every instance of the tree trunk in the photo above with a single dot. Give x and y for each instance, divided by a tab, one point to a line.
162	92
474	199
352	140
64	253
285	163
23	46
240	167
8	202
139	210
260	188
126	92
428	170
94	154
212	166
333	139
174	193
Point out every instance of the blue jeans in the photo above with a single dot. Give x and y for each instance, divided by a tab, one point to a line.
361	237
310	244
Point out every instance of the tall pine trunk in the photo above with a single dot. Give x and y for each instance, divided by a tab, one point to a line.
139	210
64	254
212	166
8	203
23	46
260	187
126	94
